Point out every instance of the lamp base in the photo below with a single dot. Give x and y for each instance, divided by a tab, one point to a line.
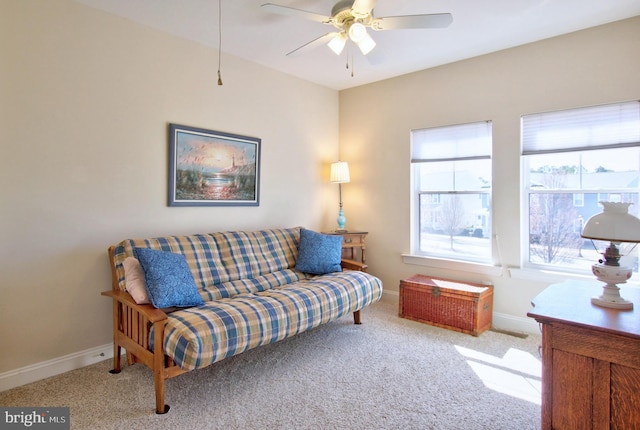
341	220
611	298
612	275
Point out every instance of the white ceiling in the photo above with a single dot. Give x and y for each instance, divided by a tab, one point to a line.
478	27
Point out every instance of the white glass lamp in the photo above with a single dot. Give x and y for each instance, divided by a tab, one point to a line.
337	43
616	226
340	175
358	34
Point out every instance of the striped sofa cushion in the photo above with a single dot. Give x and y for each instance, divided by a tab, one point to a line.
250	285
218	260
200	336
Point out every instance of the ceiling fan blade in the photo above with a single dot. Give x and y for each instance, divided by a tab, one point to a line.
362	8
434	20
289	11
313	44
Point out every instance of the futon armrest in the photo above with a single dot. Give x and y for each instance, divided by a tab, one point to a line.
152	314
353	265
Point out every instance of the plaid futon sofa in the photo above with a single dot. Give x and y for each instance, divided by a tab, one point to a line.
250	294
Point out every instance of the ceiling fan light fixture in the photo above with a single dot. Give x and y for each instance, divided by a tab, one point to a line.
352	18
357	32
337	43
366	44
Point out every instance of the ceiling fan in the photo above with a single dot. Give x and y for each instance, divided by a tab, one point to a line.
352	18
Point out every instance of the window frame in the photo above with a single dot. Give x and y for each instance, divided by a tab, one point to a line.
457	155
628	140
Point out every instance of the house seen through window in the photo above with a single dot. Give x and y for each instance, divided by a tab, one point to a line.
572	160
451	198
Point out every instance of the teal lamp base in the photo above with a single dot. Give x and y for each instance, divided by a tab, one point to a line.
342	220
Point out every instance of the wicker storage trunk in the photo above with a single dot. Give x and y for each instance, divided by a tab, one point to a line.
459	306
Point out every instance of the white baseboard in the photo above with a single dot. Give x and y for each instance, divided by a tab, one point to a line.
56	366
515	324
390	295
500	321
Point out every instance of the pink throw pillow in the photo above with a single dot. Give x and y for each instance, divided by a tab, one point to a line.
134	280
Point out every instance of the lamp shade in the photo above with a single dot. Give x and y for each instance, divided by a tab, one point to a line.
337	43
614	224
366	44
357	32
340	172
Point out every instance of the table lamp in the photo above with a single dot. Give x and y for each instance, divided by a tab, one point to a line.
616	226
340	175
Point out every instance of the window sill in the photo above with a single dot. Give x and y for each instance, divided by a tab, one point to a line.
526	274
441	263
547	276
551	277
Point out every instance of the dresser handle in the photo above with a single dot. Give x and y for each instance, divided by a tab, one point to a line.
348	240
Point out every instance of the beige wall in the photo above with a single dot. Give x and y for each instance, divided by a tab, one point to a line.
599	65
85	100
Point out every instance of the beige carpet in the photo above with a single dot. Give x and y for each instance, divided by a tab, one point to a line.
388	373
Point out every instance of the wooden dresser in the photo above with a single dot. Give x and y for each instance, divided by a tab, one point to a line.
590	358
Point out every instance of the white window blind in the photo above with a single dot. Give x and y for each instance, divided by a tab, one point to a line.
455	142
594	127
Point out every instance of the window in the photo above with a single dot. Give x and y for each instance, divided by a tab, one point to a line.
572	160
578	199
451	198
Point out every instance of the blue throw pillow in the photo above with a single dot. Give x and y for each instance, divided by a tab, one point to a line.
168	279
319	253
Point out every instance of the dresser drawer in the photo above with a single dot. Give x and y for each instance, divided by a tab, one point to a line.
349	240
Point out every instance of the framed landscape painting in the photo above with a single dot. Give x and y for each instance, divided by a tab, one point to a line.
211	168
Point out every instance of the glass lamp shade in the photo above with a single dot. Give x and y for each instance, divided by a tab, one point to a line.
337	43
366	44
358	34
340	172
614	224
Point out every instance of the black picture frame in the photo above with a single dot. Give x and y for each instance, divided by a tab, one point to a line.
212	168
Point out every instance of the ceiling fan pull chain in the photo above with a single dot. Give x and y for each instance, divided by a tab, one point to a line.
348	55
219	41
353	64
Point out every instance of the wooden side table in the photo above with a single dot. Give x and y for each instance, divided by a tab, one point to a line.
590	358
354	245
